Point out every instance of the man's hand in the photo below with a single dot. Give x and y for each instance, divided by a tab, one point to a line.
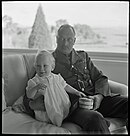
97	100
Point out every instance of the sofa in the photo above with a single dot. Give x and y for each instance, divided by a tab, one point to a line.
17	69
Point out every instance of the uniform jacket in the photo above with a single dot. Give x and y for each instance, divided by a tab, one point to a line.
80	67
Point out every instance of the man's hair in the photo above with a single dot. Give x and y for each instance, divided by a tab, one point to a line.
66	26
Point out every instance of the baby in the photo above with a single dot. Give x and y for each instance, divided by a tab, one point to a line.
52	87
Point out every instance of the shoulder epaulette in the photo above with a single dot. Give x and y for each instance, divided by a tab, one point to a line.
83	54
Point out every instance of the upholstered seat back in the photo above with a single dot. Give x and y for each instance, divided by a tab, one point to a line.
16	70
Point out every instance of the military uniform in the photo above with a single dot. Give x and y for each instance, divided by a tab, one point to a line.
79	72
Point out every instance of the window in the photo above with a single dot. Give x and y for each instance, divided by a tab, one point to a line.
100	26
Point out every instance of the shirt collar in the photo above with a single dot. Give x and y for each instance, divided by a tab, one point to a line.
48	77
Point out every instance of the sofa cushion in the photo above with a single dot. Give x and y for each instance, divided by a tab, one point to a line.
20	123
29	62
118	88
116	123
15	73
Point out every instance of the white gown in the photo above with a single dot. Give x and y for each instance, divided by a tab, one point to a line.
56	99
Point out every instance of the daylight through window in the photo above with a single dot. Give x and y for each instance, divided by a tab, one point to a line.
99	26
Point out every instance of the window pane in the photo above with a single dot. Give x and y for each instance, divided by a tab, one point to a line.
99	26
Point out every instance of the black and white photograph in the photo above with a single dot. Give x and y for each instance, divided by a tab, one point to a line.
65	67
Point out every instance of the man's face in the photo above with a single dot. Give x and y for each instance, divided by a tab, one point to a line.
65	40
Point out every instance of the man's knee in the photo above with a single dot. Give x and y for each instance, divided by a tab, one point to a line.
90	121
97	123
90	118
96	119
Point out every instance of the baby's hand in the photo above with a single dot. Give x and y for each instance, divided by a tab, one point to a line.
41	86
80	94
41	91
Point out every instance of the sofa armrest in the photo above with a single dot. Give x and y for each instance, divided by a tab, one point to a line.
118	88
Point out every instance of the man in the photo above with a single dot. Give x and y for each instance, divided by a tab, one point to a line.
79	71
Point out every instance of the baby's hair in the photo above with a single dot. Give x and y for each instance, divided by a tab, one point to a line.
45	53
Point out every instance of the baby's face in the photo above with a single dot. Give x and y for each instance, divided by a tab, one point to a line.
43	66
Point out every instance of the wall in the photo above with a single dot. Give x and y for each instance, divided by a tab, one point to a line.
114	65
116	71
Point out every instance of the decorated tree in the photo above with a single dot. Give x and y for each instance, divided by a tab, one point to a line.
40	36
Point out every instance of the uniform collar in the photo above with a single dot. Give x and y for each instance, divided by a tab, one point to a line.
63	58
75	56
60	57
